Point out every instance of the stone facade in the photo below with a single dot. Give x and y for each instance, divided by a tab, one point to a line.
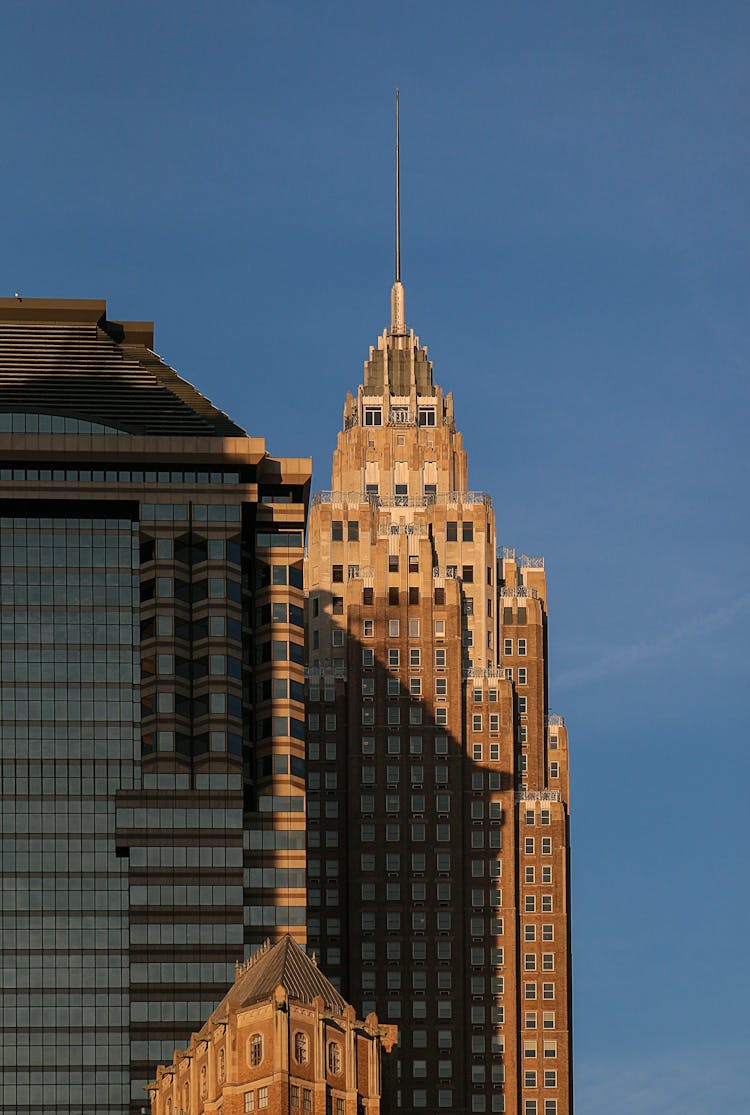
437	779
282	1041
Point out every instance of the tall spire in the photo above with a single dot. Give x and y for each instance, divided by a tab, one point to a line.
398	199
398	309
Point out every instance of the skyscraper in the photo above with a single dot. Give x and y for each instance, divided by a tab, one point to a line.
437	778
151	715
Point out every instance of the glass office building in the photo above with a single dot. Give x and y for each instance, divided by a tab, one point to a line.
151	709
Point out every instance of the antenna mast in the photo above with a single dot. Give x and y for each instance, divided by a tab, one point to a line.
398	315
398	200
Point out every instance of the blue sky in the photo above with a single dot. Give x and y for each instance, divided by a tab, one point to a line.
575	254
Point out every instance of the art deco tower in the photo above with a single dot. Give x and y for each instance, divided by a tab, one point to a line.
437	780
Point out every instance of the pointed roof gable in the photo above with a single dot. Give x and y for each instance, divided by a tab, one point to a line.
64	357
285	964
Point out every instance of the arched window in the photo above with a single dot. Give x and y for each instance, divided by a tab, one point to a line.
255	1050
204	1082
221	1066
334	1058
300	1048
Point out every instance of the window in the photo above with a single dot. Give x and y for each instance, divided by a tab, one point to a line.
548	990
262	1097
529	962
529	933
550	1106
476	722
352	530
554	770
393	563
529	1078
373	416
546	874
548	1020
221	1066
255	1050
393	658
415	687
307	1099
522	647
439	628
249	1104
467	574
521	675
545	817
467	532
550	1050
548	962
334	1058
522	705
294	1095
204	1083
451	532
393	596
301	1047
494	722
548	932
415	657
337	574
546	903
529	904
507	646
441	687
414	595
546	845
337	530
426	416
413	628
393	628
528	875
440	659
528	845
368	628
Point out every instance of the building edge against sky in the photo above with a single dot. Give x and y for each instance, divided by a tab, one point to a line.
151	705
438	832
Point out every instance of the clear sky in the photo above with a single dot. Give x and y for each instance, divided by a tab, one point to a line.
575	254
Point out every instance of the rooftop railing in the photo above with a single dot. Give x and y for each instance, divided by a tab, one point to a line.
387	500
523	561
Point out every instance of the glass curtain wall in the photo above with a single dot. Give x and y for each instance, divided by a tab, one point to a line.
70	739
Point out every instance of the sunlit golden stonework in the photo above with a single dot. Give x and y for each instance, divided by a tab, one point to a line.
282	1040
437	778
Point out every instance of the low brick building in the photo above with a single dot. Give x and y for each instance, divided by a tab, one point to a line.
282	1040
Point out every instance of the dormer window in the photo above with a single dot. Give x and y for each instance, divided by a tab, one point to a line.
426	416
374	416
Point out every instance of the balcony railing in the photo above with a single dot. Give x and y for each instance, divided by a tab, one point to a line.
537	795
519	591
523	561
555	721
388	500
492	675
325	672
